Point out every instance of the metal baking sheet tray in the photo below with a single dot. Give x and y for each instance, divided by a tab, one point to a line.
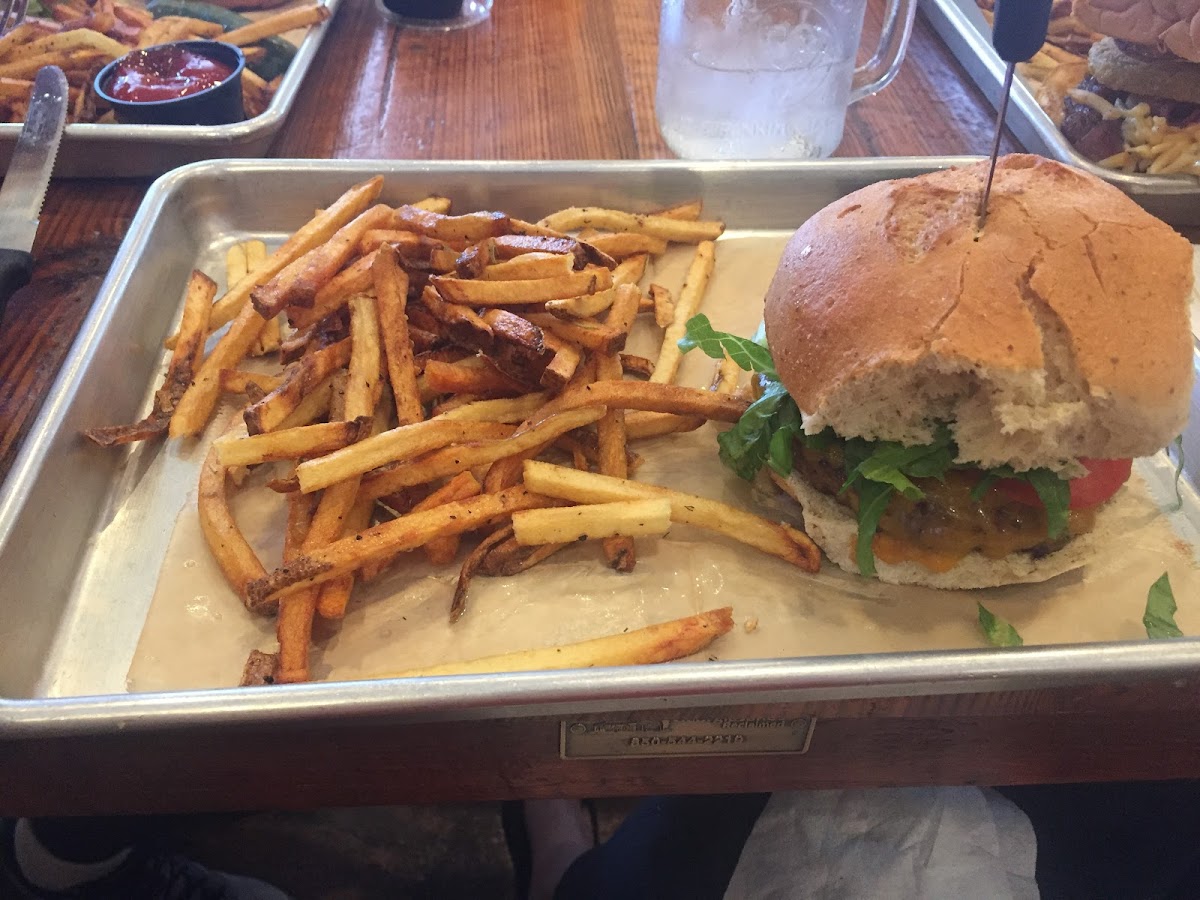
1173	198
137	151
83	532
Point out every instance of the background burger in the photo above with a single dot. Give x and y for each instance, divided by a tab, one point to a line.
1151	55
955	407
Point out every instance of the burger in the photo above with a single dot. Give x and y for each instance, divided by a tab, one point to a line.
957	406
1149	62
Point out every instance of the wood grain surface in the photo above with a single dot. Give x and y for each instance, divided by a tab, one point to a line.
543	79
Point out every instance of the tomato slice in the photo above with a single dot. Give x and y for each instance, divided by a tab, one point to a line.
1103	479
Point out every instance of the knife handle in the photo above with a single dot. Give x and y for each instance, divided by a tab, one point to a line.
16	267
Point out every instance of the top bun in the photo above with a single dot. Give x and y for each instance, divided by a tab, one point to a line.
1173	25
1060	331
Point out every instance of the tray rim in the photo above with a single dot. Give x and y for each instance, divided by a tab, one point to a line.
955	15
232	134
462	697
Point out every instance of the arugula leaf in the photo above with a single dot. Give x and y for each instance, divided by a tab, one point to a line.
1055	494
1159	617
998	632
894	464
990	478
788	426
745	447
747	354
1178	442
873	499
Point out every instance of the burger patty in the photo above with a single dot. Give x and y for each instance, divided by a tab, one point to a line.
947	520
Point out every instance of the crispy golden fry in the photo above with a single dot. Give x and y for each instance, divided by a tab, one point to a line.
289	443
300	378
181	369
68	41
463	325
518	346
278	23
664	305
530	266
441	551
521	292
624	310
298	283
775	538
471	228
228	545
391	289
660	398
389	538
402	444
366	358
690	297
653	644
619	550
510	558
689	211
623	244
582	306
356	278
511	246
627	518
236	343
316	403
452	460
640	425
636	365
505	409
630	270
434	204
334	595
458	604
682	230
562	366
587	334
473	375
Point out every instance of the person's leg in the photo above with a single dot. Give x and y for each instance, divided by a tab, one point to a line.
668	847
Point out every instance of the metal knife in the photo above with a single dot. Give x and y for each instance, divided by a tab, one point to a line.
28	175
1018	32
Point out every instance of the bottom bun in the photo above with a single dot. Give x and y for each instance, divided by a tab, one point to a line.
834	528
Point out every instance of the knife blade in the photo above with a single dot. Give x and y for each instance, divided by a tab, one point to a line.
28	174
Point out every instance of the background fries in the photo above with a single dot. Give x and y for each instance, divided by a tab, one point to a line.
426	375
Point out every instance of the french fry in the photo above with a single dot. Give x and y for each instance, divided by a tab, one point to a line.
315	404
682	230
775	538
630	270
505	409
511	558
402	444
659	398
591	335
391	289
297	284
529	266
562	366
689	211
511	246
181	369
300	378
690	297
312	234
386	539
452	460
298	17
458	603
644	646
664	305
434	204
641	425
636	365
619	550
470	228
521	292
441	551
592	521
229	547
464	326
289	443
473	375
623	244
582	306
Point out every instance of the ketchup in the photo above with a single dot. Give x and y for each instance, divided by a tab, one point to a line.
164	73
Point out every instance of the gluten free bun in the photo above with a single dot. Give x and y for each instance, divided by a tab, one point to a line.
1059	331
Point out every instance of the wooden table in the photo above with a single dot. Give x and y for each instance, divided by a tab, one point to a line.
570	79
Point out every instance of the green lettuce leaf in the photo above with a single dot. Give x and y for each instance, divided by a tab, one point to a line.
746	446
873	500
1055	494
746	353
998	632
1159	617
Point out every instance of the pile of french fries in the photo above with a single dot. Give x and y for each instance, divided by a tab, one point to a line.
442	375
82	38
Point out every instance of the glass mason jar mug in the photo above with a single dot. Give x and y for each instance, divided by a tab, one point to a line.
768	79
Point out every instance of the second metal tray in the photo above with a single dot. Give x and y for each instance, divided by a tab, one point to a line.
90	150
1173	198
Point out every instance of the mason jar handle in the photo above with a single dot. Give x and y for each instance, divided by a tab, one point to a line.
878	71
